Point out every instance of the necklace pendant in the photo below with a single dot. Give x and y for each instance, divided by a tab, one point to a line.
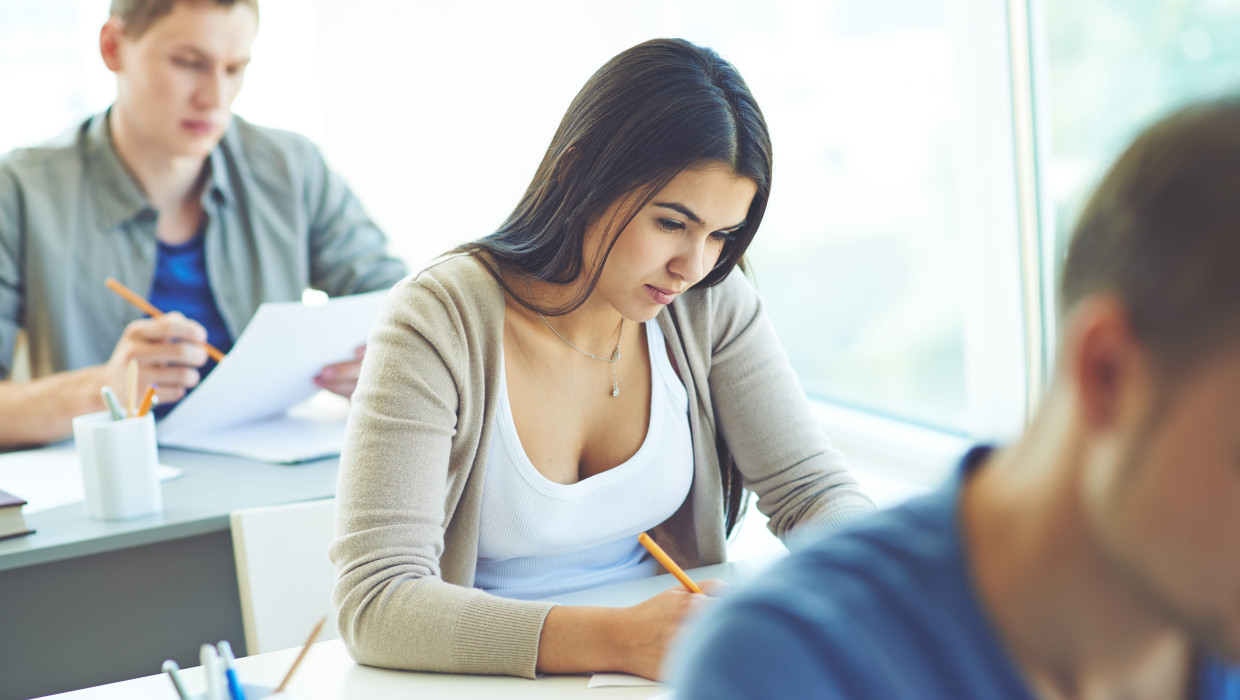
615	391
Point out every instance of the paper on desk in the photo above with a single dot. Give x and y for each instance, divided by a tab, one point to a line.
242	407
51	477
618	680
310	430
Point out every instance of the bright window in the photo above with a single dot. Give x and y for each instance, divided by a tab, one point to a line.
1112	67
889	120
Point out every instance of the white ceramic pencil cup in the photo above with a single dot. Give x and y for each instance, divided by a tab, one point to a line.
119	461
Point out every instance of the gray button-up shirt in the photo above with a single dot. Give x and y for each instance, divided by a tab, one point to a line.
71	214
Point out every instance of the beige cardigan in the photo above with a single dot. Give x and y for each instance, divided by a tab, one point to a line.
411	473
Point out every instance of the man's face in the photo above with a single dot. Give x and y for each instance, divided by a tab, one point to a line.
1167	514
178	79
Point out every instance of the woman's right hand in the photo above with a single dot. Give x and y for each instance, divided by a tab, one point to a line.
650	626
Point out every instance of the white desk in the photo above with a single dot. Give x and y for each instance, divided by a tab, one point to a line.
328	673
91	602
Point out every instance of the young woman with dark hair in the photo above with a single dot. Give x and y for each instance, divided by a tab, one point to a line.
593	370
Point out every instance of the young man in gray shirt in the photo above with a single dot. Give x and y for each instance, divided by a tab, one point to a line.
207	215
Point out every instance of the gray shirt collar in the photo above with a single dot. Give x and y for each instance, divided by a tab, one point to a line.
118	196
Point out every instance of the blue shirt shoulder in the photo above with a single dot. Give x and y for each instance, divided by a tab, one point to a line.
883	609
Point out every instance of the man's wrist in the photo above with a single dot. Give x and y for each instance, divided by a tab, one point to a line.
89	382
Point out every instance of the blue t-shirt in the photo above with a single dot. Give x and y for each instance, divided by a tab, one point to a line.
181	285
886	609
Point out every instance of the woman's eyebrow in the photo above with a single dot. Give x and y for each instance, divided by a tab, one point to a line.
676	206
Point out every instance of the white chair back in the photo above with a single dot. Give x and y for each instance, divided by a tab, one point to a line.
283	573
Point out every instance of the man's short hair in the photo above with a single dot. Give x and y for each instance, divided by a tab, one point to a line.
1162	232
138	15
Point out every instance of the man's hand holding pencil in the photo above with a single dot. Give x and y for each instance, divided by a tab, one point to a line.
168	350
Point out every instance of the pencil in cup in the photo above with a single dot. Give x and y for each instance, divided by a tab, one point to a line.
236	690
149	399
667	563
145	307
131	388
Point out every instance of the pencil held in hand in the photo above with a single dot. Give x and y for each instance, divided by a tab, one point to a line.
667	563
145	307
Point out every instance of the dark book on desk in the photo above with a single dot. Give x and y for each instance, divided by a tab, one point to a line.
12	522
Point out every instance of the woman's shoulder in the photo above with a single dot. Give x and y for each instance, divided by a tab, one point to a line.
460	279
455	289
456	270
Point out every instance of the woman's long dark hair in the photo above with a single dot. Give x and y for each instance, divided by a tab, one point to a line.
652	111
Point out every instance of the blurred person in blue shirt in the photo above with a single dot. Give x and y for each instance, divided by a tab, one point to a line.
1099	556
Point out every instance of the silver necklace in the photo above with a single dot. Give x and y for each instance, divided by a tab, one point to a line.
615	355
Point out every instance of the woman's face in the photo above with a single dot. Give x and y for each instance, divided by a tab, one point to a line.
672	243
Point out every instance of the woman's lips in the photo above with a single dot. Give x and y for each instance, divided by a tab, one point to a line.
660	295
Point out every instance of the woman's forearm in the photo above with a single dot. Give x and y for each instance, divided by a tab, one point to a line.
632	640
581	640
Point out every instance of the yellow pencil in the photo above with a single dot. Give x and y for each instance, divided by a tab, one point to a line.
667	563
296	662
147	400
147	308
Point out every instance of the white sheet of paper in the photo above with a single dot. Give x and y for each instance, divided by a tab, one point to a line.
618	680
241	407
310	430
51	477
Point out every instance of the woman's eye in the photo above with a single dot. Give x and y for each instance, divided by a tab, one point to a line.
722	236
671	224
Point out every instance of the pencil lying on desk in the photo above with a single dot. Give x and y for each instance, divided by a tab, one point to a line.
296	662
145	306
667	563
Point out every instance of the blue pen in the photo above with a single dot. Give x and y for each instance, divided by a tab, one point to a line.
234	685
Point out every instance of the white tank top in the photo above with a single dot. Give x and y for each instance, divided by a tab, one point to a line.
538	538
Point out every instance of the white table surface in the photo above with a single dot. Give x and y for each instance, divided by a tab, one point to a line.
328	673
